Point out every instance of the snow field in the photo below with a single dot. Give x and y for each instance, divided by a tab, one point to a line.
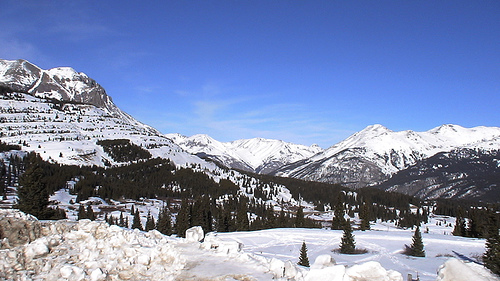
384	247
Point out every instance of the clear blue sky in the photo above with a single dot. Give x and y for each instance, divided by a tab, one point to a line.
300	71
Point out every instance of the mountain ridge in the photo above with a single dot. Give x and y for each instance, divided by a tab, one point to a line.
63	114
258	155
388	152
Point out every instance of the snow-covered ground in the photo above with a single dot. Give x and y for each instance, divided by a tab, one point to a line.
383	246
87	250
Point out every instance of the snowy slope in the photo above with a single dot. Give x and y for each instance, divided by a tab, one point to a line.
256	155
459	174
61	114
375	153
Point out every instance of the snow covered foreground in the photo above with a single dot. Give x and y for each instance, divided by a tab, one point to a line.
89	250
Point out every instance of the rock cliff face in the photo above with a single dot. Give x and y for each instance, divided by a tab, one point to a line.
62	83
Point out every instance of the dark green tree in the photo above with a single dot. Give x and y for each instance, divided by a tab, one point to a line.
182	219
338	220
347	243
364	216
491	256
82	214
242	222
460	228
282	220
3	189
164	224
299	218
150	222
121	221
90	213
32	192
225	221
136	223
303	259
417	245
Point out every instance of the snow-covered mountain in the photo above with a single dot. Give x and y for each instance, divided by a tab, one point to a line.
256	155
62	114
460	173
61	83
376	153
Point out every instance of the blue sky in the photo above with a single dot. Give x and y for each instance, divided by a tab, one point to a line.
300	71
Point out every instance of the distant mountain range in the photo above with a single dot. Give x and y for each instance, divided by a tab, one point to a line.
62	114
264	156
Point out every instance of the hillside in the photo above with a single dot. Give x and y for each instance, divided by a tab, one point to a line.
62	115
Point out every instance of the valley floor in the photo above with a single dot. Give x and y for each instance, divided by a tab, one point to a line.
383	245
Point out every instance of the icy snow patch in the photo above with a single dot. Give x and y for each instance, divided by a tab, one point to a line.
456	270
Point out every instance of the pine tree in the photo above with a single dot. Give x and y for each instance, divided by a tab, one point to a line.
90	213
417	246
303	259
182	219
282	219
338	220
150	222
121	221
136	223
164	224
242	222
460	227
3	189
299	217
82	214
347	243
33	196
364	216
491	256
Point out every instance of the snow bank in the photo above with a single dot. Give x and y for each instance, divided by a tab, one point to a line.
323	269
89	250
195	234
93	251
212	241
457	270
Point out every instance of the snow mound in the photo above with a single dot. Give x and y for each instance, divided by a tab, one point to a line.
457	270
369	271
195	234
93	251
213	242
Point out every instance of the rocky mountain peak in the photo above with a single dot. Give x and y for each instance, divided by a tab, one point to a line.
61	83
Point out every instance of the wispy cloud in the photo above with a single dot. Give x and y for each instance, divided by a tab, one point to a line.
223	116
80	29
12	48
